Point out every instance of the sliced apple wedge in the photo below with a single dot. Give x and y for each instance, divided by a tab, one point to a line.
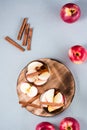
58	99
39	82
47	97
25	87
31	78
33	92
28	89
33	66
44	76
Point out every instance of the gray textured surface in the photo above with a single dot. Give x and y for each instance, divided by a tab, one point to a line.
51	39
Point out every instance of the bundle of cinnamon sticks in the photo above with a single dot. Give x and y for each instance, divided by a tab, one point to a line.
26	32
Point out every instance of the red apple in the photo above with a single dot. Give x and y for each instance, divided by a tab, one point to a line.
70	12
77	54
45	126
69	123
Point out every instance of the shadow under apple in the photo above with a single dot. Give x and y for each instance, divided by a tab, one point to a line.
83	124
83	6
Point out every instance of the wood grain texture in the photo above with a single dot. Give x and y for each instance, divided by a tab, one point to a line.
61	79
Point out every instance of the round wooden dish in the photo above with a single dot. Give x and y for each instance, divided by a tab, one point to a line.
60	79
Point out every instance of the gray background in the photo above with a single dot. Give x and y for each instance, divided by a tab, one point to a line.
51	39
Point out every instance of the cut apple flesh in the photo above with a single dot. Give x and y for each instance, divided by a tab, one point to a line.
47	97
30	78
70	11
32	67
40	82
29	90
33	92
57	99
44	76
37	73
25	87
53	102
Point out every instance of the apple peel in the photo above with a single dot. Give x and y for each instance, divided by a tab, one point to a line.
77	54
45	126
70	12
69	123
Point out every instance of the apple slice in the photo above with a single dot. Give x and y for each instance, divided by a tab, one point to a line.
30	78
59	99
44	76
25	87
28	89
47	97
33	66
39	82
33	92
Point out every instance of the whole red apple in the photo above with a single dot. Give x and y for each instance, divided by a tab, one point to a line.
45	126
70	12
77	54
69	123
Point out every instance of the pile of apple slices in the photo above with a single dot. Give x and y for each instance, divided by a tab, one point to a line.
52	101
37	73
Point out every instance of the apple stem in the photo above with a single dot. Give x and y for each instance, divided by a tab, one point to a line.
77	54
69	128
73	11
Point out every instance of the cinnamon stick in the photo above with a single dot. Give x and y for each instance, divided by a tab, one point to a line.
24	104
22	28
11	41
36	73
24	43
52	104
32	105
29	38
